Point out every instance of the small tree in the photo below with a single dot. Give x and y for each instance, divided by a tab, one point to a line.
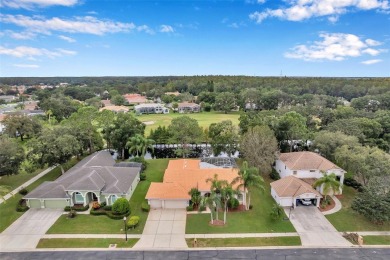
195	196
121	206
277	212
329	183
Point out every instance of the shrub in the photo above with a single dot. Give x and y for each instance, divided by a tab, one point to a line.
121	206
97	212
202	208
140	160
190	208
116	216
81	208
103	204
21	206
23	192
133	222
352	183
142	177
107	208
274	175
233	203
250	206
72	214
145	206
276	212
67	208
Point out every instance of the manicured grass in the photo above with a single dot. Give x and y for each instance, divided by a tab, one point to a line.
376	240
349	220
89	224
16	180
85	242
8	214
245	242
204	119
256	220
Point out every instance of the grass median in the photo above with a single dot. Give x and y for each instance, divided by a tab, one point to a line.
245	242
86	242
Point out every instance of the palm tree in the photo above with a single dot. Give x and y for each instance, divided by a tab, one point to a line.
329	183
147	143
215	189
248	177
226	193
139	144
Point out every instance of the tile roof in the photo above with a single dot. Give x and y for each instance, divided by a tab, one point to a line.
188	104
115	108
94	173
306	161
186	175
135	98
291	186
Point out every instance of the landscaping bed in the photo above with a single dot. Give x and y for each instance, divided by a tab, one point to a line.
244	242
86	242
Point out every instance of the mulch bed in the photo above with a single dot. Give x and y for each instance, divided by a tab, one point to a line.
328	207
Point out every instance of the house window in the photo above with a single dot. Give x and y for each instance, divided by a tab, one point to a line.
312	170
78	198
295	172
113	198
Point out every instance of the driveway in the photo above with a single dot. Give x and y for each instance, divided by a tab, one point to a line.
164	228
314	229
26	232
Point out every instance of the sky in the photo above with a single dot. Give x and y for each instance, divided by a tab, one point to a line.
326	38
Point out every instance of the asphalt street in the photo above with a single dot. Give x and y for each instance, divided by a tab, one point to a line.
273	254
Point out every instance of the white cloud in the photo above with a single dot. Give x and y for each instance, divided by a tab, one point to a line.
30	52
166	29
370	62
33	3
261	1
335	47
298	10
86	24
145	28
26	35
66	38
28	66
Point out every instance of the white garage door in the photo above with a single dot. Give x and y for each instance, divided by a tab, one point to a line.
175	204
155	204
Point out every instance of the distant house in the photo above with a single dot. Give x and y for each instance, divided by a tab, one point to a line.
135	99
183	175
187	107
116	109
7	98
298	171
151	108
106	103
95	178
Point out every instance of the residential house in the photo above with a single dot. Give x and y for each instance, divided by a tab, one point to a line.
151	108
183	175
95	178
306	168
7	98
134	99
187	107
116	109
107	103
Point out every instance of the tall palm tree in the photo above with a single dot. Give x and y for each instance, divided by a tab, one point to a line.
227	192
147	143
329	183
139	144
215	189
248	177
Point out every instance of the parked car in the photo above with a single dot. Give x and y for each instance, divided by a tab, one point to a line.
306	202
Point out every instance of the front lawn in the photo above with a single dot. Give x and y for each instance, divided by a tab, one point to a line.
89	224
349	220
376	240
16	180
8	214
256	220
85	242
245	242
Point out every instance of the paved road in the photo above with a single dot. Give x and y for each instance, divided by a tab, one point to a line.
261	254
26	232
314	229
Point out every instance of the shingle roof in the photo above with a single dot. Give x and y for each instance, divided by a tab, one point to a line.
94	173
306	161
186	174
291	186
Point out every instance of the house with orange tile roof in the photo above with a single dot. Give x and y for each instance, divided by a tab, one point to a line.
180	177
306	167
135	99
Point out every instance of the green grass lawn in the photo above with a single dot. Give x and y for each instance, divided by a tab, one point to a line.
204	119
8	214
349	220
245	242
85	242
89	224
257	220
376	240
16	180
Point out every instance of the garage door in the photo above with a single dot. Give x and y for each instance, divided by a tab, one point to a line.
35	204
56	204
175	204
155	204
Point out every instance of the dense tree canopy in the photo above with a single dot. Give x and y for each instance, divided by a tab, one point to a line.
224	137
22	126
11	156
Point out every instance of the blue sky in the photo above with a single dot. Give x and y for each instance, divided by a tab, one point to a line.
151	38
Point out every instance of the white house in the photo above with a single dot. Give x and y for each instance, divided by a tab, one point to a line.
306	167
151	108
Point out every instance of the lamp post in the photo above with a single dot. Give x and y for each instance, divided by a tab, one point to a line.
124	220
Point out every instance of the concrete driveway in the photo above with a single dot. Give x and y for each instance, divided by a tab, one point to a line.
164	228
26	232
314	229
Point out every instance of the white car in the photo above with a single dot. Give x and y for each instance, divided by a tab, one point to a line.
306	202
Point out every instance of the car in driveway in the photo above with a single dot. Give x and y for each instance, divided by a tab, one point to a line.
306	202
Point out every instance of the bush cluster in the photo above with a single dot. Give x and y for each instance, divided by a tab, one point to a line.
69	208
274	175
121	206
133	222
233	203
190	208
145	207
21	206
23	192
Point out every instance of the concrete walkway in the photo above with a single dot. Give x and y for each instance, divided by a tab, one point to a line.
314	229
49	236
164	228
27	183
26	231
336	208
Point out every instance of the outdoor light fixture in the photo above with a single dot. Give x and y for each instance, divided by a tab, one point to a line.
124	220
